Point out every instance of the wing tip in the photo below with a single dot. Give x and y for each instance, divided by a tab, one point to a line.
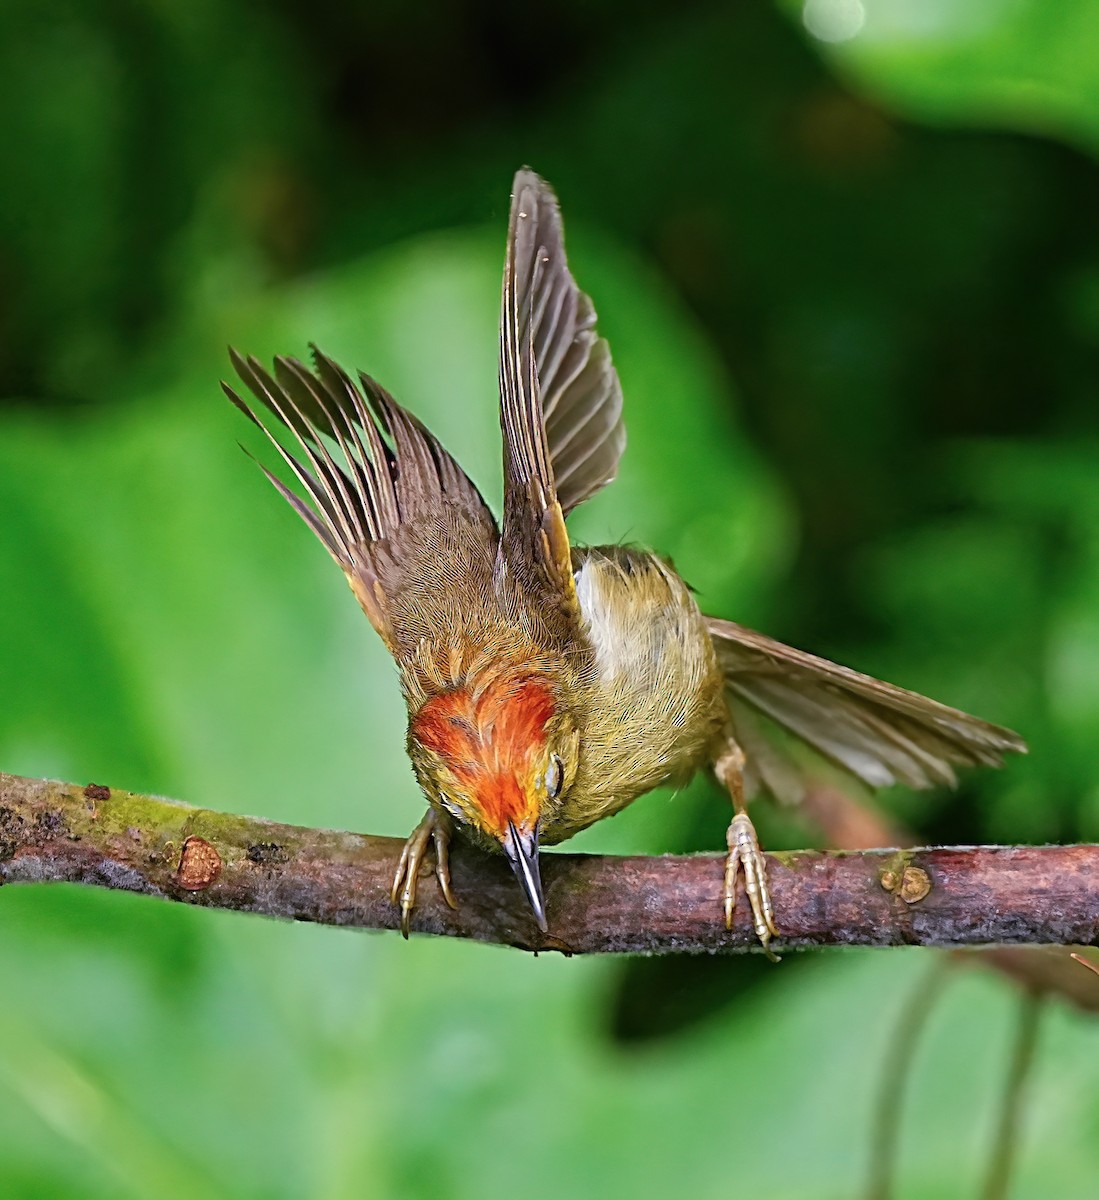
533	200
528	177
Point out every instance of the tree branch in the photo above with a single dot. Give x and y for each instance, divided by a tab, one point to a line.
57	832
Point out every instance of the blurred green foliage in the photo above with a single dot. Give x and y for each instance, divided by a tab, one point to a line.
852	287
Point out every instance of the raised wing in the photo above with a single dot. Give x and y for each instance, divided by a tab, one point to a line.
881	733
368	495
560	400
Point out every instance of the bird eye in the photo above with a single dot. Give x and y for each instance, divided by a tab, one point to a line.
555	774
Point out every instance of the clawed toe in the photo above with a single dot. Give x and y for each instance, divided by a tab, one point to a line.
745	854
432	829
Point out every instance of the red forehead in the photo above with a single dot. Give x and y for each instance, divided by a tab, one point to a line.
506	720
490	742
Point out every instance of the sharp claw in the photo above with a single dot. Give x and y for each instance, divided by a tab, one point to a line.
403	891
732	869
444	887
408	895
442	864
398	878
744	853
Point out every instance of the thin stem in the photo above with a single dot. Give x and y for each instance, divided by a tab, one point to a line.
1006	1142
1085	962
898	1070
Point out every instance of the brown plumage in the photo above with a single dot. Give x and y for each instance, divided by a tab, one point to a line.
548	686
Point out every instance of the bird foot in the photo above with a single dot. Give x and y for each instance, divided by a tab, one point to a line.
431	829
745	854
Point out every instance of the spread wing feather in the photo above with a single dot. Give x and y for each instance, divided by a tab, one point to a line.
560	400
369	468
879	732
575	385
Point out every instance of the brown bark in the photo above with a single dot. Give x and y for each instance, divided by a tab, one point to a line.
56	832
848	824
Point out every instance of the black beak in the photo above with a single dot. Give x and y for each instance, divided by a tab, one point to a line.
522	852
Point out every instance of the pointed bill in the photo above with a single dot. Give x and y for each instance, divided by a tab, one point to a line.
522	852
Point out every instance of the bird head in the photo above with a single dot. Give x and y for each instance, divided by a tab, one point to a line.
499	759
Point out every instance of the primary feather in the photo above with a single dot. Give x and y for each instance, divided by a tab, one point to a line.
379	503
881	733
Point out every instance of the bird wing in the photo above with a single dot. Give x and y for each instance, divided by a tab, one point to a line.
879	732
366	492
560	399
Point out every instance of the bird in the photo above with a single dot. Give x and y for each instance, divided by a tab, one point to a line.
549	685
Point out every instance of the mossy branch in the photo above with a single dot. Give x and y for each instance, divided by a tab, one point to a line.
58	832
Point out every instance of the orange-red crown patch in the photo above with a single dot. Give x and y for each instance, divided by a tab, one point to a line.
492	743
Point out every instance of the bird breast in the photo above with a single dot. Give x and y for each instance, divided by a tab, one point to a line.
653	705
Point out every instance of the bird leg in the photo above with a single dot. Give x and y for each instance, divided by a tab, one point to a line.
744	852
433	828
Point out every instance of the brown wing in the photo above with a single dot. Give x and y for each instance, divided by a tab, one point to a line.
364	489
560	400
879	732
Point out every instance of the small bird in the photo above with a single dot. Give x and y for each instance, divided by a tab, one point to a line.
549	685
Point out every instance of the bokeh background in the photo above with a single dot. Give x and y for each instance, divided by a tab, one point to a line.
847	255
